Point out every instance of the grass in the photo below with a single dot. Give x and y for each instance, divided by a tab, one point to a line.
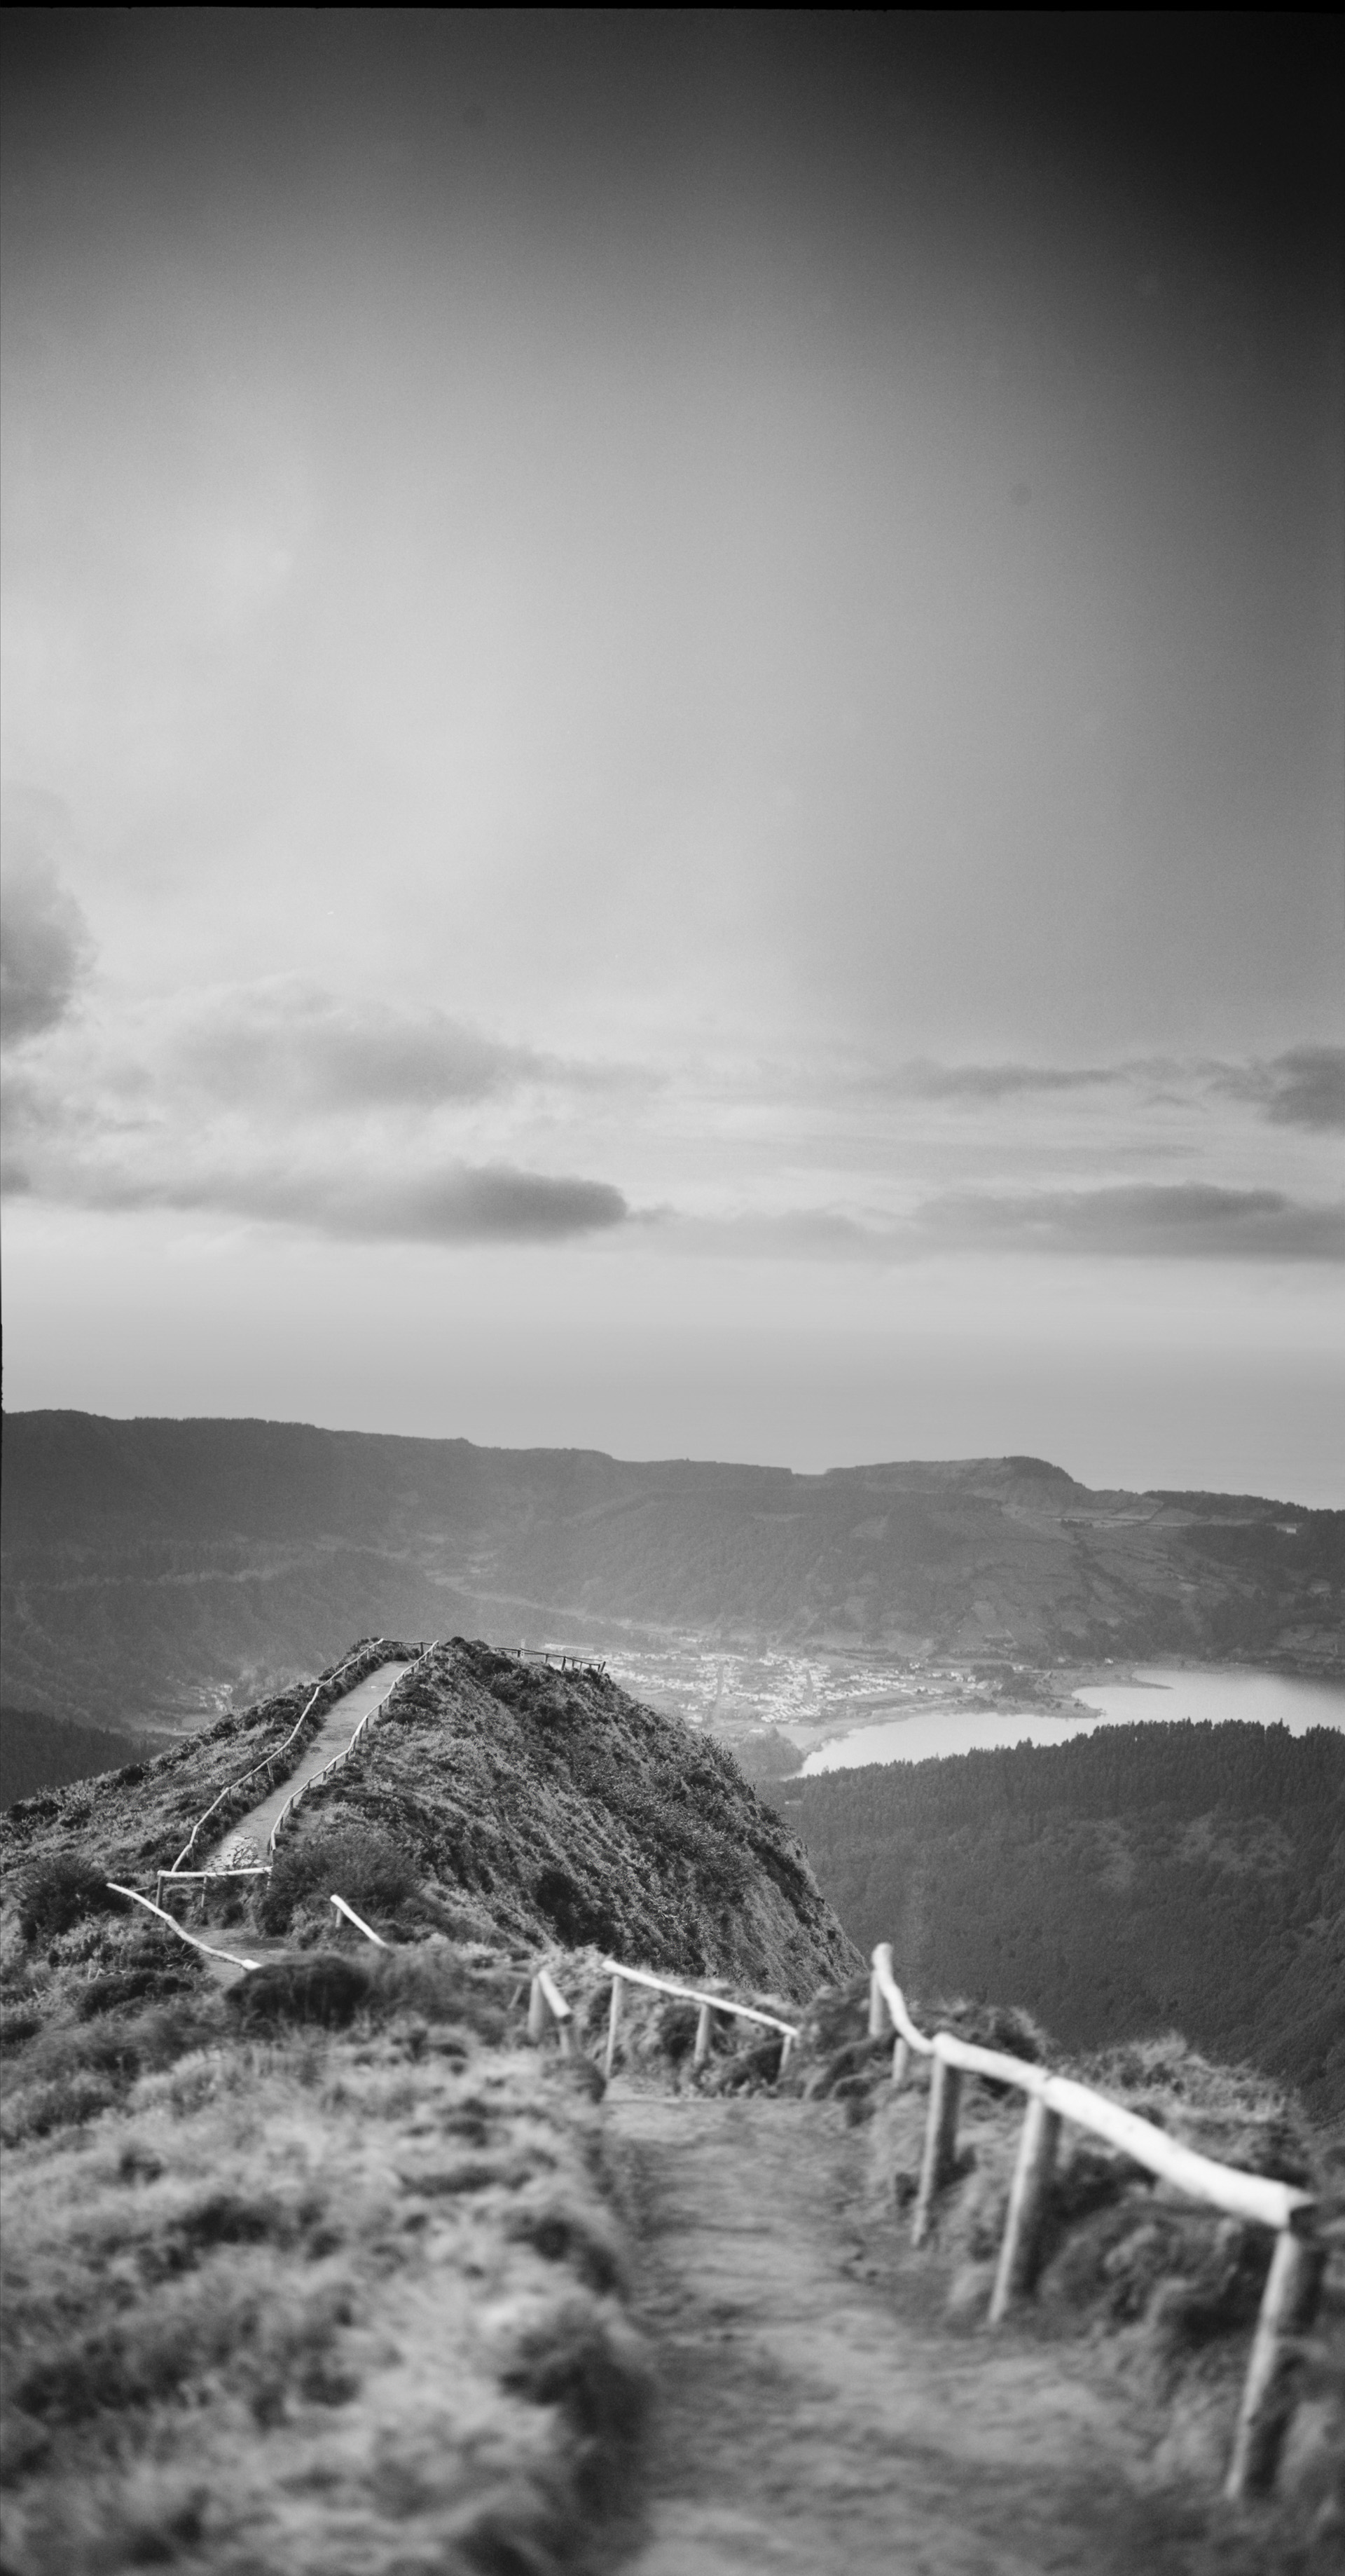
326	2301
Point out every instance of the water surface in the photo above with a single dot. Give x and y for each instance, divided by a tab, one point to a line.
1152	1693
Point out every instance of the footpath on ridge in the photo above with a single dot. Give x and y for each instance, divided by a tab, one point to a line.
817	2415
334	1733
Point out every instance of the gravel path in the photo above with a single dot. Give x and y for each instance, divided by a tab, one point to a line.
817	2414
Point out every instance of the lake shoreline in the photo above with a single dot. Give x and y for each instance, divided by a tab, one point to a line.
1124	1695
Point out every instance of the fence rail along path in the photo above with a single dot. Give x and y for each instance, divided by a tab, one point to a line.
178	1875
1293	2284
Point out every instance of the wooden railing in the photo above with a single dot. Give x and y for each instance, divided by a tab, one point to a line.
1293	2284
546	2002
231	1957
561	1659
276	1754
307	1786
178	1876
359	1922
709	2006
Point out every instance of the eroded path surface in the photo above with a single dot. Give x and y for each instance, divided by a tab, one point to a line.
817	2416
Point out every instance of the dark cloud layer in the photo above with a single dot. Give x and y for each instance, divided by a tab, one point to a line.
1303	1088
925	1081
491	1203
45	949
1184	1220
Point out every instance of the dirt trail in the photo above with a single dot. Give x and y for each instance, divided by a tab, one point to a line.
333	1735
817	2415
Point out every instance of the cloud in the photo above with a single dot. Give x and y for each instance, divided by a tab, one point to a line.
925	1081
255	1103
459	1203
1183	1220
1305	1087
492	1203
299	1046
45	947
300	1049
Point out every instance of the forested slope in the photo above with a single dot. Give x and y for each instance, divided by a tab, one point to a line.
42	1752
1137	1879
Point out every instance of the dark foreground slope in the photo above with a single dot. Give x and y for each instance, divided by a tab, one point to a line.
1139	1878
496	1801
160	1569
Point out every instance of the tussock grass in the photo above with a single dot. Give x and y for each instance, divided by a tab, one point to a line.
322	2302
365	1862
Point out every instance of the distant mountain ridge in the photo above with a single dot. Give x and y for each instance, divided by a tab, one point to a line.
164	1571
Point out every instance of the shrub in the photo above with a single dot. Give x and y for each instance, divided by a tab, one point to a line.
39	2108
359	1862
578	1920
18	2024
433	1978
107	1994
323	1988
59	1891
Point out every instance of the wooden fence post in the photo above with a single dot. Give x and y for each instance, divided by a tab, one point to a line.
702	2047
613	2025
1027	2204
1288	2307
940	2143
536	2011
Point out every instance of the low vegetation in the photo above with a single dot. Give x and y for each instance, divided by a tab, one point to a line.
319	2274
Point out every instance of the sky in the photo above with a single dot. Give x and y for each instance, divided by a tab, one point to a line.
672	731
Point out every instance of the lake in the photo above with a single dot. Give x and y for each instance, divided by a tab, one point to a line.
1154	1694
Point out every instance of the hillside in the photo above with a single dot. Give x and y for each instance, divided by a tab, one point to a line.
1136	1879
497	1802
325	2267
167	1571
38	1751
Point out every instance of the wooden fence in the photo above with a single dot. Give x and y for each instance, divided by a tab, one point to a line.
276	1754
338	1759
709	2006
1293	2284
178	1876
561	1659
